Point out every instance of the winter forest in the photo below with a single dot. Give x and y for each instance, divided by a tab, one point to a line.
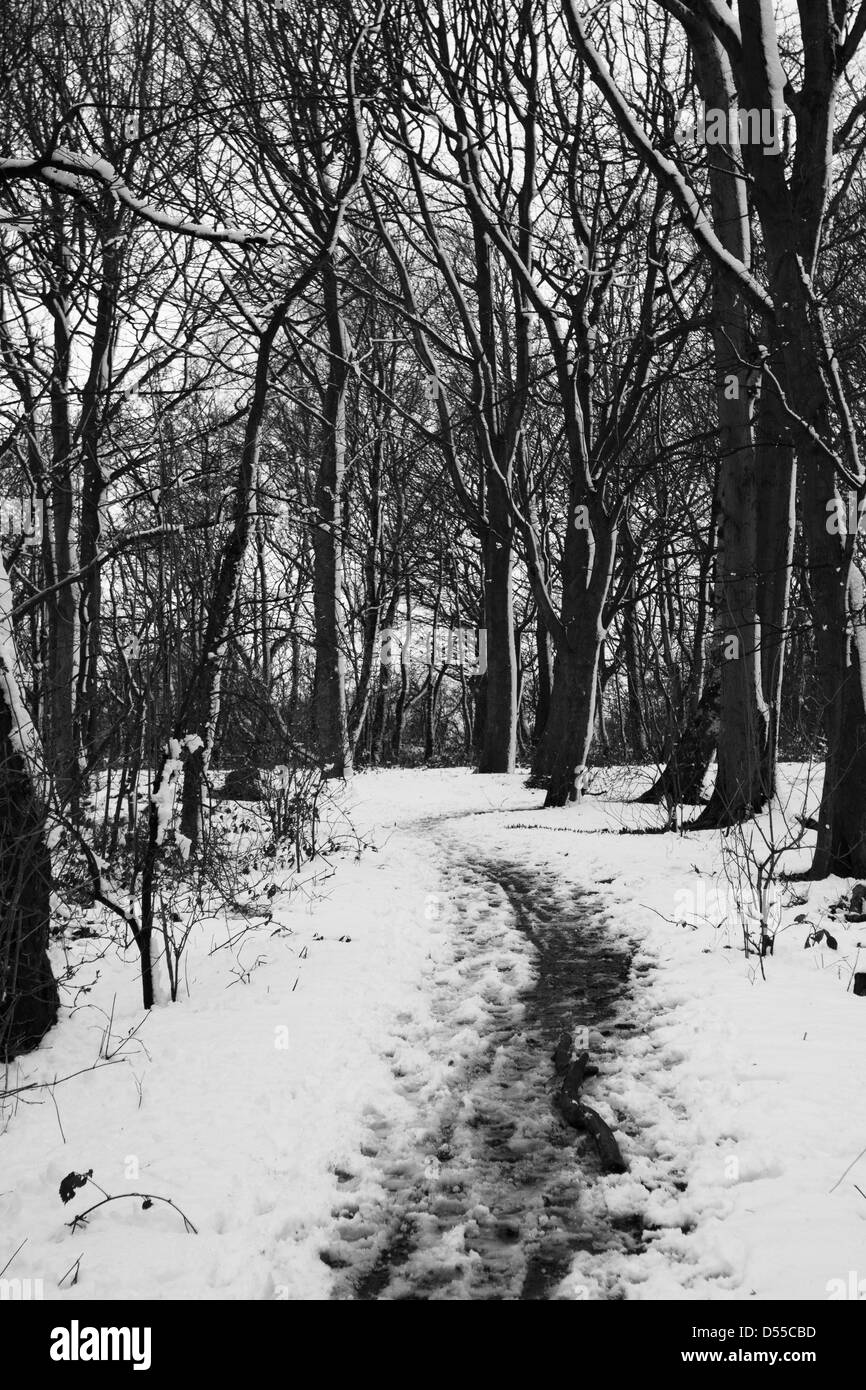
432	650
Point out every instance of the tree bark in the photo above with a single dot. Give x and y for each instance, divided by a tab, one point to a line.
329	682
63	606
93	489
776	474
739	788
499	732
544	652
572	720
587	571
792	215
28	993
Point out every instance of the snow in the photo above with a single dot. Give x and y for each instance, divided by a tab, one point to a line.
164	795
64	168
350	1092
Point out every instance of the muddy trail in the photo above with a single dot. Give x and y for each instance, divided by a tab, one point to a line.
491	1196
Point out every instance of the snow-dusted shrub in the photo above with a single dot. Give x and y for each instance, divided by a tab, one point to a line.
290	796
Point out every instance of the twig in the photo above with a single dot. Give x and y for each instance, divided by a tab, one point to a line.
12	1257
119	1197
57	1112
75	1265
39	1085
848	1169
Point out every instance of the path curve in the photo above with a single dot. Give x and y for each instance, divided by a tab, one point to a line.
484	1193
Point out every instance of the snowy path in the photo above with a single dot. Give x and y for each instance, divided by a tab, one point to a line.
353	1100
482	1192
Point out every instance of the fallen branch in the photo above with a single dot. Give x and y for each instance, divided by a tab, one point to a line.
608	1149
578	1115
574	1077
562	1055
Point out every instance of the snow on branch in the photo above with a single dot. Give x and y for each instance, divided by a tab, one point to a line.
68	171
665	169
721	20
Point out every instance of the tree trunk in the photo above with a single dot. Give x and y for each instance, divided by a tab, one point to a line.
329	682
554	728
743	719
792	215
200	708
833	580
544	650
683	778
842	824
93	489
499	735
776	473
28	993
402	693
588	561
63	605
572	719
634	724
383	691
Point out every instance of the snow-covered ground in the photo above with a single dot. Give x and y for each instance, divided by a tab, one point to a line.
354	1099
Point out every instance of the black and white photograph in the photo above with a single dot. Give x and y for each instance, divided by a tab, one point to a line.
433	668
